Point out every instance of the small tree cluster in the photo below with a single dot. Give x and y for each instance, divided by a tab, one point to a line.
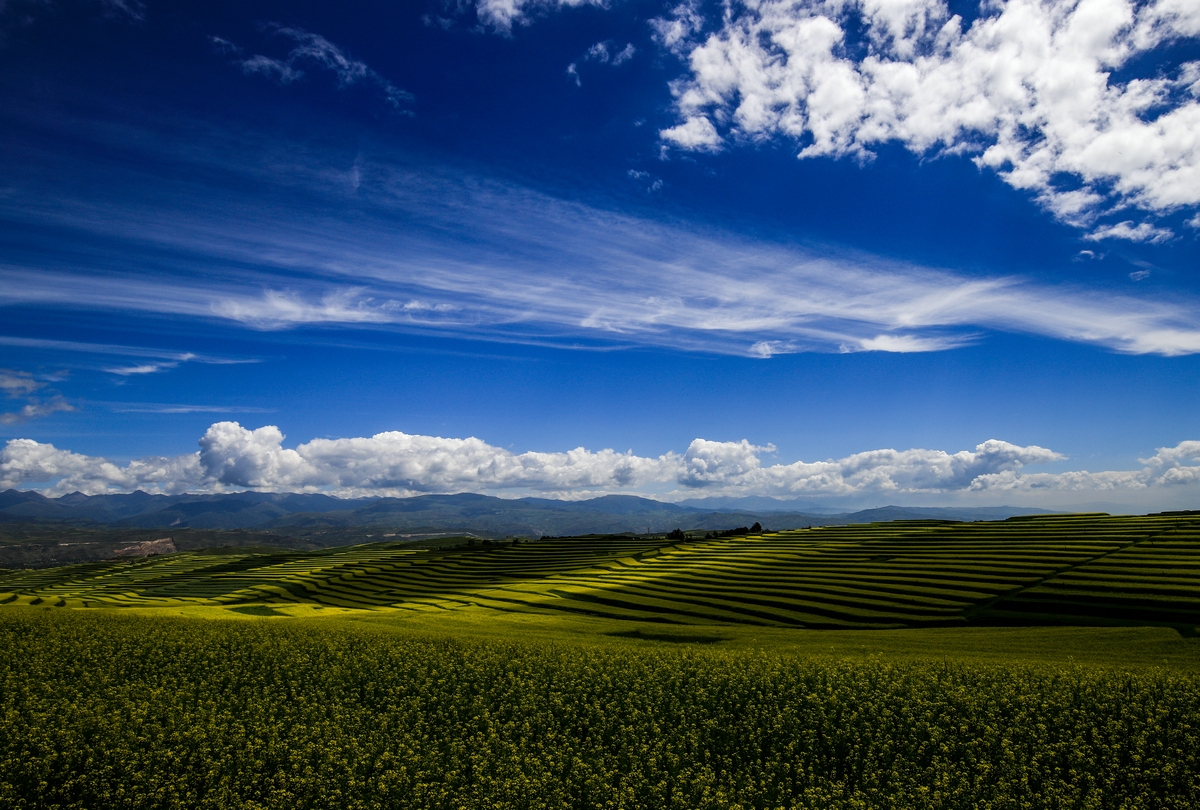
740	531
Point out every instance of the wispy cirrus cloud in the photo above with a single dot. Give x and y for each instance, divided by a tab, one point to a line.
232	457
492	259
142	368
160	359
572	272
178	408
130	9
310	50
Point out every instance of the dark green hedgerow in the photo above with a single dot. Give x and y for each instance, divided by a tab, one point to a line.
101	711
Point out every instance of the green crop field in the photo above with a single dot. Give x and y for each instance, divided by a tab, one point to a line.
1074	569
1049	662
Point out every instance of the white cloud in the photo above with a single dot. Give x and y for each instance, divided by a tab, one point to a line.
232	457
143	368
675	30
36	410
907	344
624	55
502	15
133	9
887	471
1168	467
275	309
1142	232
1171	457
556	272
770	348
311	49
276	69
138	369
24	460
598	52
602	52
18	383
1027	90
157	407
653	183
696	133
708	463
119	351
22	384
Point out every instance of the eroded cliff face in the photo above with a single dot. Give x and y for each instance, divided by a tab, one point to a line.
163	545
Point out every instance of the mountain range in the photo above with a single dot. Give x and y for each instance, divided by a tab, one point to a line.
308	514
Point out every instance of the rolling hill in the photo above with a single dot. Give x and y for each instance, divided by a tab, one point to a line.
1060	569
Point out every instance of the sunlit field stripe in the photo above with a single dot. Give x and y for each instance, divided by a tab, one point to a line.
912	573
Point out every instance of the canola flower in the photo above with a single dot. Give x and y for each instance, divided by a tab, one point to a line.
107	711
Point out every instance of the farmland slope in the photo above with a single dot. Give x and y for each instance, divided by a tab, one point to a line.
1066	569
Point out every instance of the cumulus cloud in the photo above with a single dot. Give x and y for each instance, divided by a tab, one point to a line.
675	29
708	463
888	471
18	383
1169	467
233	458
653	183
312	50
1027	89
696	133
22	384
24	460
36	410
603	53
1142	232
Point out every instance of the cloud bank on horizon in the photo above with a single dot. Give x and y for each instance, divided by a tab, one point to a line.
234	458
1028	89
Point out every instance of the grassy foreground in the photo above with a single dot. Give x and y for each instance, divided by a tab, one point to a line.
139	709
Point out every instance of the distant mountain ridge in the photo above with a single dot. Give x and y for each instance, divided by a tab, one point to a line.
292	513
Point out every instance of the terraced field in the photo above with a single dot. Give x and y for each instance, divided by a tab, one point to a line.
1072	569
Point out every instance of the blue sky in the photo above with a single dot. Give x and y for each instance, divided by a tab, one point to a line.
893	251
